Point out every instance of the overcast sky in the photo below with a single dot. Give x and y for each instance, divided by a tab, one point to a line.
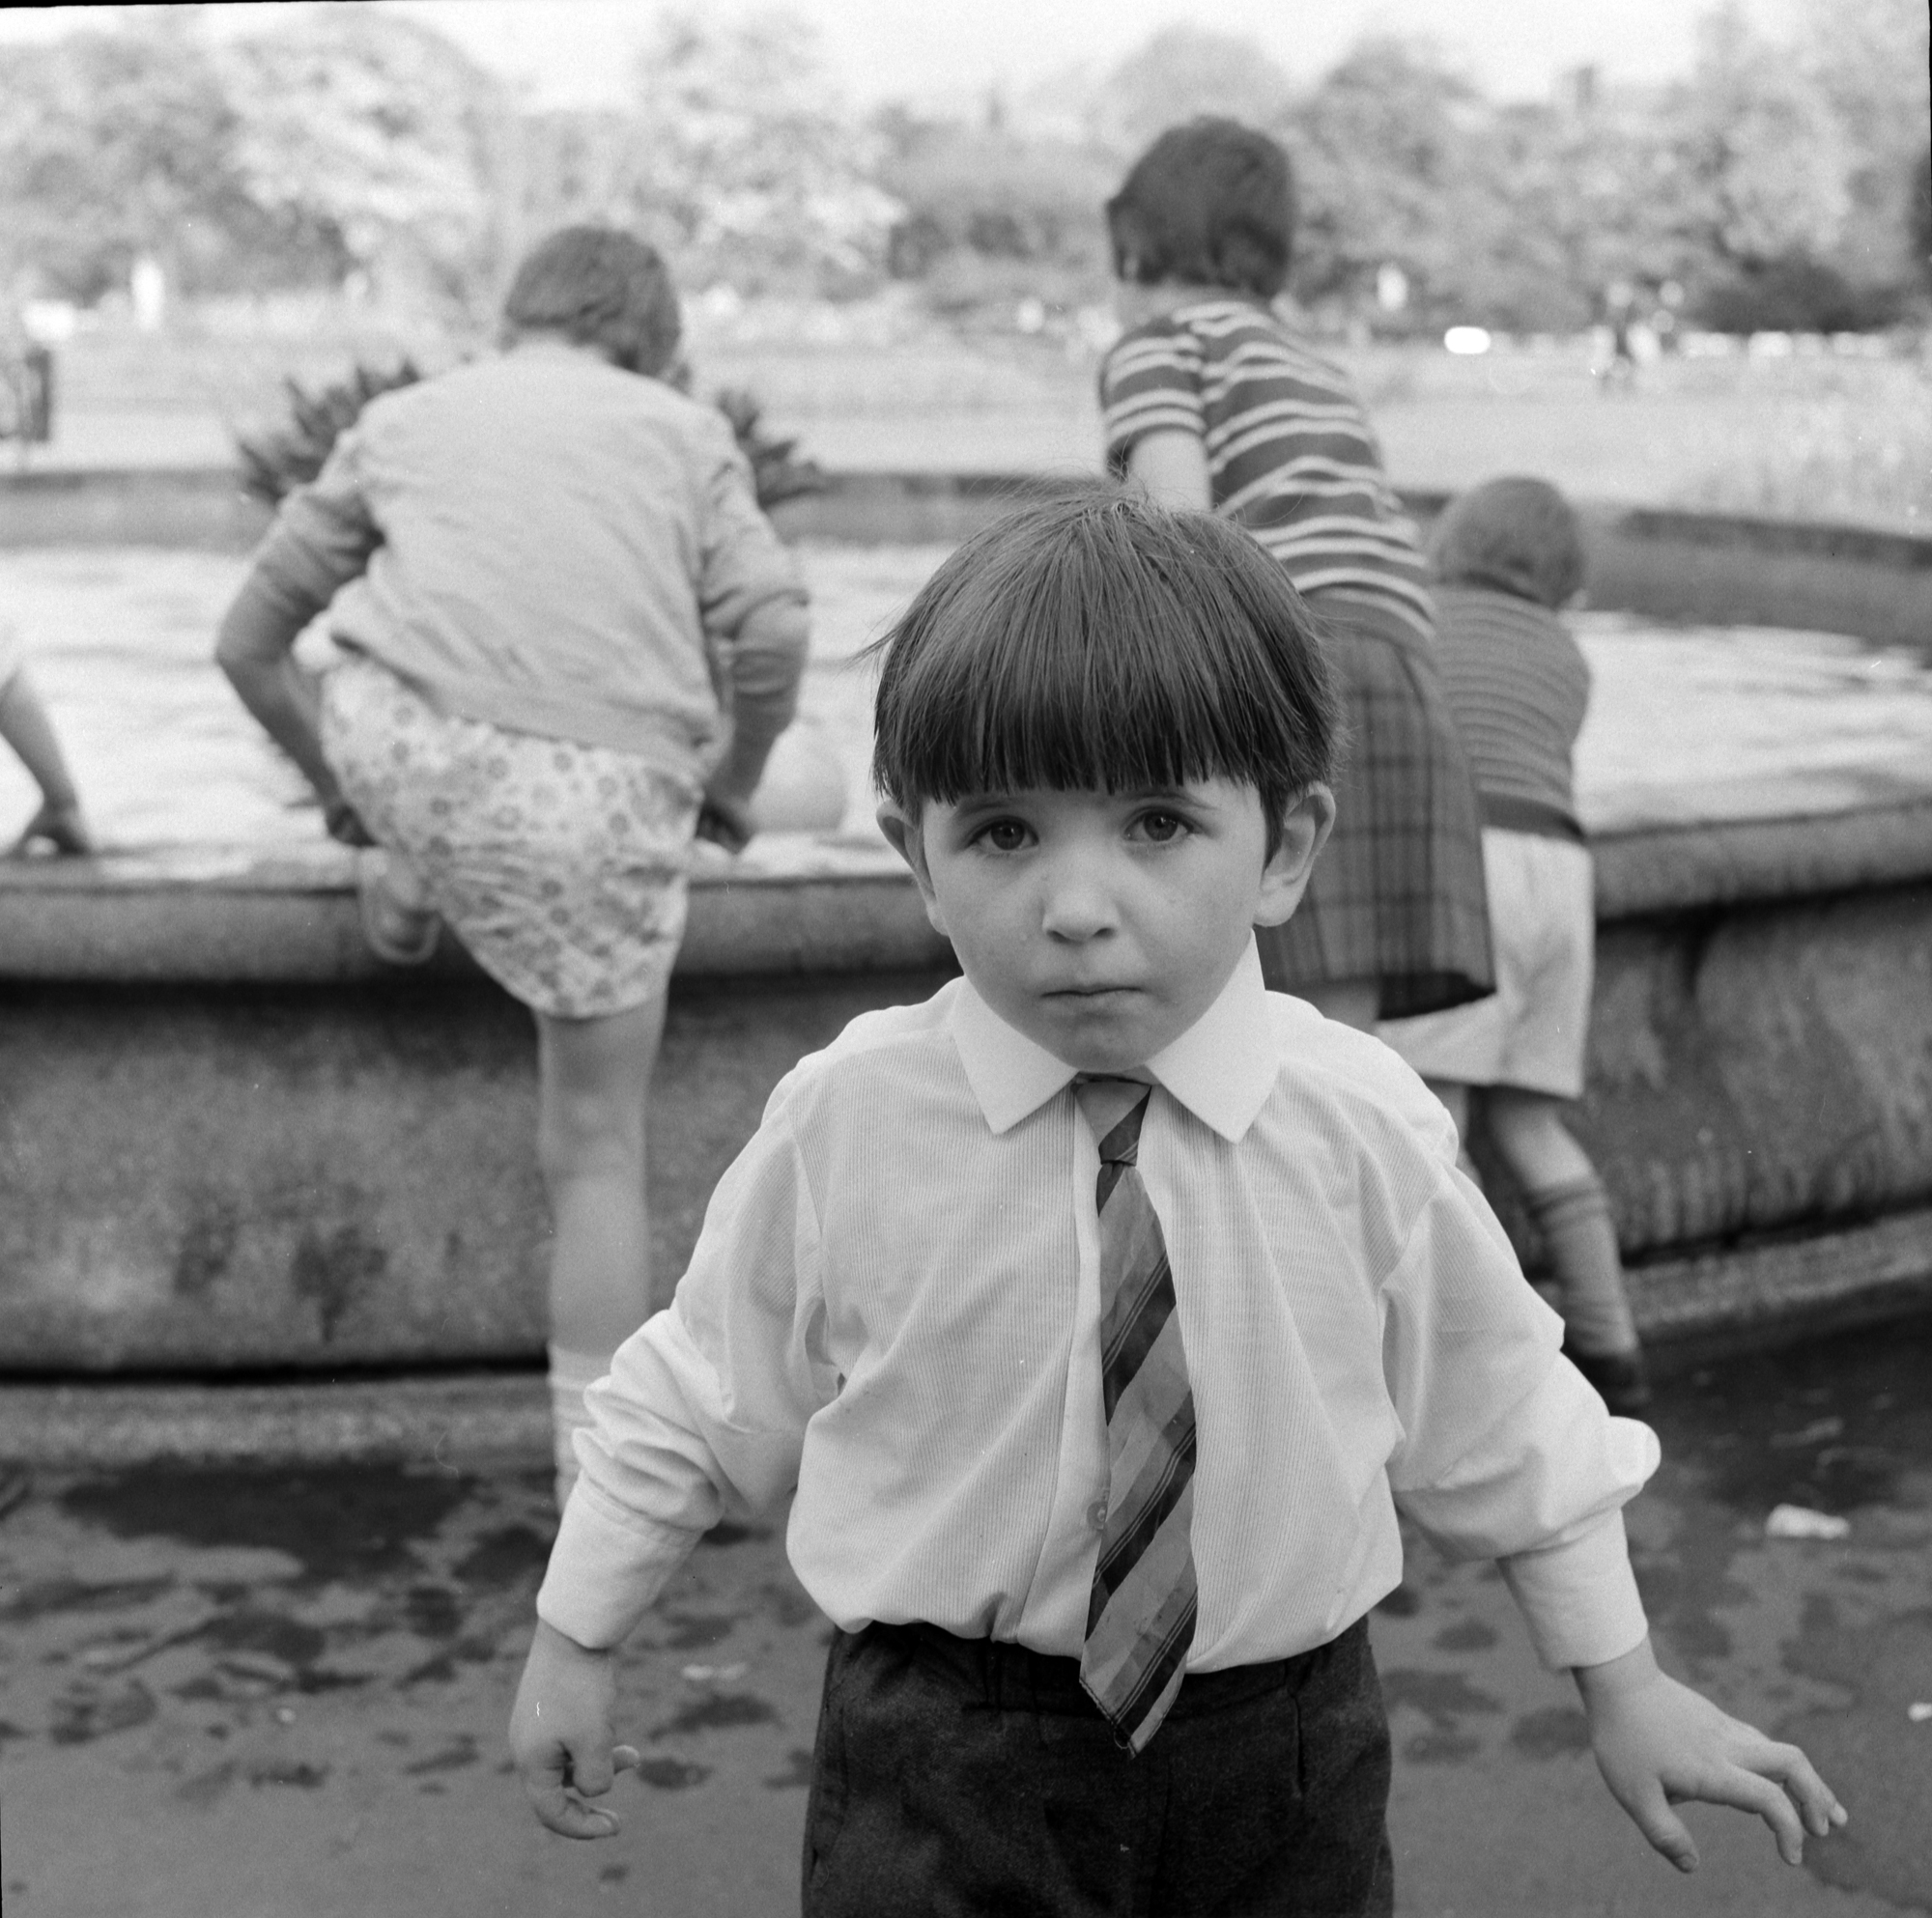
577	52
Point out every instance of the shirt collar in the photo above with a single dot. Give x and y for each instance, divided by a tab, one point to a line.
1222	1068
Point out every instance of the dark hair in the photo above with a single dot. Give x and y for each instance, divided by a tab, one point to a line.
1209	203
601	288
1515	535
1100	642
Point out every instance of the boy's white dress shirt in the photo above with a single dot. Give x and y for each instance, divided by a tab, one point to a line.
893	1306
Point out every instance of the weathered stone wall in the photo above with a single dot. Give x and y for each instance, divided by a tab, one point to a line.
1759	1069
205	1177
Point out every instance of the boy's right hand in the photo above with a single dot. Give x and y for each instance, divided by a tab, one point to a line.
560	1734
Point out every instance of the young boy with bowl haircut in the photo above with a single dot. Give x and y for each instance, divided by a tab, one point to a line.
1102	1312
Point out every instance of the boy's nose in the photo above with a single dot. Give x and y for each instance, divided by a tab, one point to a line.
1075	908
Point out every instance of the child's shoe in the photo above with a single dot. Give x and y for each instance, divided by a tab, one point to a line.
399	924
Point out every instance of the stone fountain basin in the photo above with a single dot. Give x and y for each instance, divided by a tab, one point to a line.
231	1142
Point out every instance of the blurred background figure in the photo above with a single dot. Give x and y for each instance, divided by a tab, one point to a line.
1213	401
571	639
1616	364
1508	555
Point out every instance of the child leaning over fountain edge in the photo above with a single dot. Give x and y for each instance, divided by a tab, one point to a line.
570	641
1508	557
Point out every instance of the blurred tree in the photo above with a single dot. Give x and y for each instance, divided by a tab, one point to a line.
1785	182
1386	148
1561	201
576	165
1795	165
990	214
742	163
1870	59
1180	72
1761	159
116	142
381	135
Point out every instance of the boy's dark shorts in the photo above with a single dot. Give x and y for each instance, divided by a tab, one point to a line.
961	1776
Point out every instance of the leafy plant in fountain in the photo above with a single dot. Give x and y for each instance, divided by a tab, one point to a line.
276	462
777	473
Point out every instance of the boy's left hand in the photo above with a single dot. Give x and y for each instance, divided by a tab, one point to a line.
1659	1743
560	1734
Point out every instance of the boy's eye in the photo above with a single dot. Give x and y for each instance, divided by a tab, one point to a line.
1162	827
1005	836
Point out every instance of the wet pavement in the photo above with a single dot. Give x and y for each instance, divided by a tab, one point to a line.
281	1695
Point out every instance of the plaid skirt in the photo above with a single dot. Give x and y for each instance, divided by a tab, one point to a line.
1396	894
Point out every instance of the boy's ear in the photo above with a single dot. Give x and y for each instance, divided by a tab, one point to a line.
1304	831
903	835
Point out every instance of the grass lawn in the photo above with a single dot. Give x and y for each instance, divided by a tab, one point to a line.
1806	437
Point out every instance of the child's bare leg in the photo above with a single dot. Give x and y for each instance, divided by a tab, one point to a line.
1348	1001
593	1079
1567	1201
1534	1142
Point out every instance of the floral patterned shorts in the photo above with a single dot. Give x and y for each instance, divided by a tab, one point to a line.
561	867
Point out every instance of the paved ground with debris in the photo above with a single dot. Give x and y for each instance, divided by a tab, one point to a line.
281	1695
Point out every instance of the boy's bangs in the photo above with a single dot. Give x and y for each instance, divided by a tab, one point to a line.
1116	656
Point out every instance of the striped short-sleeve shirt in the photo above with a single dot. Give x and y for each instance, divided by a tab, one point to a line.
1518	685
1291	455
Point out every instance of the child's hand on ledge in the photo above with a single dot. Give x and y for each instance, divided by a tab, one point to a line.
560	1734
61	826
1659	1743
725	819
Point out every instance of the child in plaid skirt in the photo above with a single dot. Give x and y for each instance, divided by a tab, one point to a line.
1212	402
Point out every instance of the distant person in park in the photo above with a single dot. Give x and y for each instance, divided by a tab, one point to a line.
57	823
571	638
1213	401
1618	373
1508	557
1102	1314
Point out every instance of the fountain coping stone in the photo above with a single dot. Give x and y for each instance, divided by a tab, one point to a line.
792	903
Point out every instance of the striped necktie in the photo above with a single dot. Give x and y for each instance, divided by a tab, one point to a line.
1140	1620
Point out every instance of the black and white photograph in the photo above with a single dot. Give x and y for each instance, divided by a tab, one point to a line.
966	960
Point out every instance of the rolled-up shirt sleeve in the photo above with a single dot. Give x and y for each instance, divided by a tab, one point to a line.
1507	1453
703	1412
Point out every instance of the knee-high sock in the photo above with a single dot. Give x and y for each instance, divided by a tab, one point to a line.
1575	1220
570	1374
